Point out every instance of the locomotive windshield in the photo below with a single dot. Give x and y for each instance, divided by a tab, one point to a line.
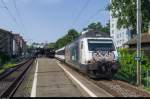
104	45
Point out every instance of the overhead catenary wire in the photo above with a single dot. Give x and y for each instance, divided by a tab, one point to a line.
21	21
80	13
94	15
10	14
11	23
21	28
19	15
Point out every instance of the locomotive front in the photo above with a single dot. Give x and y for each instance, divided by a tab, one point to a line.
103	58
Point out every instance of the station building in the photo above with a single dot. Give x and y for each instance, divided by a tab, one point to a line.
145	43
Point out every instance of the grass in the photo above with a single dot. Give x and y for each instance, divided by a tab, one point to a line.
147	89
6	66
1	71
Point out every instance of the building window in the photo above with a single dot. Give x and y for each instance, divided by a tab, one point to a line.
117	42
112	25
113	37
122	41
118	35
112	31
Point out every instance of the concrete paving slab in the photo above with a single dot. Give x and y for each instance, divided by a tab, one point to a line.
53	82
99	92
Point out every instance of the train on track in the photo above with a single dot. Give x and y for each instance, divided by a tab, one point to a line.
92	53
47	52
50	53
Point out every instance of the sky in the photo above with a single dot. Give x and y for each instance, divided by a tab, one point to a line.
48	20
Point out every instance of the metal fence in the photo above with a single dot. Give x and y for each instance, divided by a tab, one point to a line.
128	67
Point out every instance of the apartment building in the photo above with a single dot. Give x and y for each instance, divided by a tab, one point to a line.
19	45
6	42
12	44
120	36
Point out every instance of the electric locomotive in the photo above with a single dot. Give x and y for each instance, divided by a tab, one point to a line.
93	53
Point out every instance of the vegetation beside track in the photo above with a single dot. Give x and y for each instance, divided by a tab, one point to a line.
6	66
127	71
6	62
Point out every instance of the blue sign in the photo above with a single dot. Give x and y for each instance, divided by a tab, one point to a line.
137	58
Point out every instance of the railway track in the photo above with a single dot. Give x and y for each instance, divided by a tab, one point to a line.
116	88
119	88
12	78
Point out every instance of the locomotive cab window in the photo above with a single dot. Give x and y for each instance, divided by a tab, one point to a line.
95	45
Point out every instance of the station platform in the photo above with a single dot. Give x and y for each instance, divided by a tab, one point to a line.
51	81
52	78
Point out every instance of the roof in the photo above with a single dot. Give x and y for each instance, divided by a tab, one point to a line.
63	48
145	38
5	31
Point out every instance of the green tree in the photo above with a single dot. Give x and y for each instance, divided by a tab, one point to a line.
125	11
98	27
69	37
51	45
106	29
72	34
94	26
127	71
4	58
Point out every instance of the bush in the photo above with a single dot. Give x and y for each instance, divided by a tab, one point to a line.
8	65
6	62
127	71
4	58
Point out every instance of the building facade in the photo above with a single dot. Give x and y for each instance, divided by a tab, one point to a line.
145	44
19	45
12	44
6	42
120	36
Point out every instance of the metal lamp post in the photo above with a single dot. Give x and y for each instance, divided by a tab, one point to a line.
139	42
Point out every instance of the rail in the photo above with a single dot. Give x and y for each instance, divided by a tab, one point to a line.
11	79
